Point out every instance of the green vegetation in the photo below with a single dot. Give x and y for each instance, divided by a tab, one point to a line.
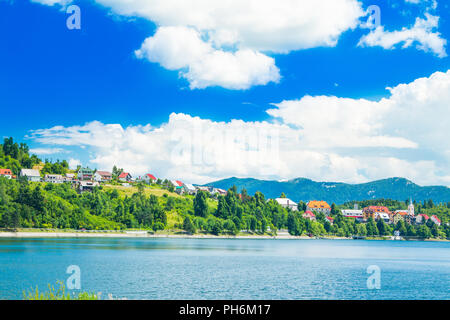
16	156
46	205
59	293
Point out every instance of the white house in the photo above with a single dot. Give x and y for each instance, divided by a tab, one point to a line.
436	220
125	177
102	176
384	216
287	203
87	185
54	178
218	191
31	175
69	177
149	178
189	189
353	213
422	218
205	189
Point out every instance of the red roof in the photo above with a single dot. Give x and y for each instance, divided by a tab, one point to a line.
330	218
425	216
378	209
180	184
123	175
151	176
309	213
436	218
5	172
104	173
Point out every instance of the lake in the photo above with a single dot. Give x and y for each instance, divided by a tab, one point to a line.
229	268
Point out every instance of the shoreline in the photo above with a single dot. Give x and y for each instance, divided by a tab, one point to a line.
143	235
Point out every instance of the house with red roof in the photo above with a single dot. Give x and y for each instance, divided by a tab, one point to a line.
319	206
309	215
375	211
330	220
125	177
422	218
103	176
399	215
6	173
149	178
436	220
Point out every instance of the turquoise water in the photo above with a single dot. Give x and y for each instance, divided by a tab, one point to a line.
229	269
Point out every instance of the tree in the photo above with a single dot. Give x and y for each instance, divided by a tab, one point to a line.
201	204
230	226
158	226
116	172
424	232
283	195
401	227
188	225
334	210
411	231
293	225
11	219
252	222
435	231
361	229
382	229
372	229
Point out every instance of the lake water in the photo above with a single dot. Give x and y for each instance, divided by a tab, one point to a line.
229	269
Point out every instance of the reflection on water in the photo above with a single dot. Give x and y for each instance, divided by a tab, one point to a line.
229	268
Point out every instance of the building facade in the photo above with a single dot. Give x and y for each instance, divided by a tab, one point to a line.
31	175
85	174
319	206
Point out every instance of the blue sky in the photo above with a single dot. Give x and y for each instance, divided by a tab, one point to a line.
52	76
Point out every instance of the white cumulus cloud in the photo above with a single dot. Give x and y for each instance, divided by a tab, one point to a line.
319	137
422	34
181	48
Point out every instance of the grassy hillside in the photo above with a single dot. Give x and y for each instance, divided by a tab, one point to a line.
129	191
175	216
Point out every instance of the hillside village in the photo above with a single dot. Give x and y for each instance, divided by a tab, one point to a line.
86	179
102	199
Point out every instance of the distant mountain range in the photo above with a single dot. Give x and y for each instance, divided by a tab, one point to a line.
305	190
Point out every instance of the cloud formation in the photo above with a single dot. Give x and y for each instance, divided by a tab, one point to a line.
228	43
47	151
319	137
181	48
423	34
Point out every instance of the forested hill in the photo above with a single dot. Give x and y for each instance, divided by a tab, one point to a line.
302	189
15	156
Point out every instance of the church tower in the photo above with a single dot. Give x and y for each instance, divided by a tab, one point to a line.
411	208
